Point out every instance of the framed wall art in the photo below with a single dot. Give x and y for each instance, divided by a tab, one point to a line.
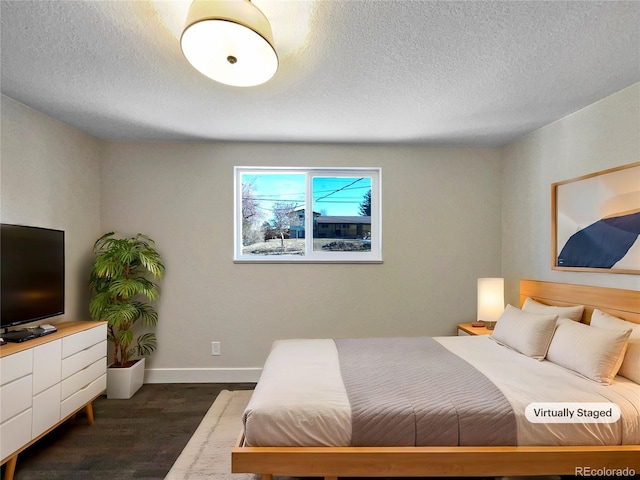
596	222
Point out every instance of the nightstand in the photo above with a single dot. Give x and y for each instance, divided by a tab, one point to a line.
467	329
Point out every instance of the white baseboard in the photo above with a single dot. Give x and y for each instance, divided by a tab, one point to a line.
202	375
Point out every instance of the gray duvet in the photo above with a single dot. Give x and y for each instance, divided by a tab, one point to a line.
415	392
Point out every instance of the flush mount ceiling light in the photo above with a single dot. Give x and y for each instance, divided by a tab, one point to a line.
229	41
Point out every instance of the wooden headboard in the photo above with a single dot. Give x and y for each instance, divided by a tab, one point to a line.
621	303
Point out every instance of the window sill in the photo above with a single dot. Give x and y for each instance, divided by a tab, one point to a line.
306	260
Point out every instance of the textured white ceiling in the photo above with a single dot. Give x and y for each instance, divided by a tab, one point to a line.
416	72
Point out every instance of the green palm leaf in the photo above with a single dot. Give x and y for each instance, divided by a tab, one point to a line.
146	344
147	314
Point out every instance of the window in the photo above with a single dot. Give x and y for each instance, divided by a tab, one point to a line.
307	215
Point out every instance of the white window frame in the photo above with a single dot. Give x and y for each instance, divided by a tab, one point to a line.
311	256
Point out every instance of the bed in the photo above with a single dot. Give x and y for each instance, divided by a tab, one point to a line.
327	449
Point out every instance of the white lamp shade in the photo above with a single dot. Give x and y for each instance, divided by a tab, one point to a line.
490	299
229	41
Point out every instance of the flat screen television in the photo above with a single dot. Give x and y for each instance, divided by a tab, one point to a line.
32	273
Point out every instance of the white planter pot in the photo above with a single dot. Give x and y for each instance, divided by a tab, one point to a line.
124	382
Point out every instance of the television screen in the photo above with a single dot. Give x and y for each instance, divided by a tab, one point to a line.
32	274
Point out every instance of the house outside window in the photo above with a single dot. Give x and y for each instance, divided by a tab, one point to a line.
272	223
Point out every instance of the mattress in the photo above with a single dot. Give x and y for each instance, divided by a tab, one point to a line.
301	399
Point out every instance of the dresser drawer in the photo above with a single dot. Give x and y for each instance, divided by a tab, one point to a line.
46	410
15	397
83	359
46	365
15	433
84	377
81	340
81	398
15	366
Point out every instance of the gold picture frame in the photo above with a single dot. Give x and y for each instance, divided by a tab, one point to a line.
596	222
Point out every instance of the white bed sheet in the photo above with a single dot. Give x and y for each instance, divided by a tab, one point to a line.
524	380
301	400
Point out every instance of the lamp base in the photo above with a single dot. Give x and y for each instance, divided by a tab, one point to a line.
489	325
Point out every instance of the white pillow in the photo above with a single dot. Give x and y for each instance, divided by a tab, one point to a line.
574	313
525	332
590	351
630	367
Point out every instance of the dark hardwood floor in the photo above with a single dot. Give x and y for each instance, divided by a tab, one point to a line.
139	438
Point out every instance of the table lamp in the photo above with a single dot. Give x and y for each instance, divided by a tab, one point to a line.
490	300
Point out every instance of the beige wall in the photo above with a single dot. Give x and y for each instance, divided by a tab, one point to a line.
606	134
51	178
441	230
470	213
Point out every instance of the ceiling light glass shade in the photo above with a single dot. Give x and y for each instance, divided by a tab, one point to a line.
229	41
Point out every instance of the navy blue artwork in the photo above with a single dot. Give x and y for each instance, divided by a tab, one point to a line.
602	244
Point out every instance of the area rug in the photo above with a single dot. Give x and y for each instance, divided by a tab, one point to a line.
208	453
207	456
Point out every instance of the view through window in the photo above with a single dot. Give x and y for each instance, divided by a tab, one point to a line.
323	215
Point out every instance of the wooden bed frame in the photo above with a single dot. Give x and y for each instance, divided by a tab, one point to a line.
331	462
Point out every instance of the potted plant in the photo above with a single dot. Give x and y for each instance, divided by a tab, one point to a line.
120	284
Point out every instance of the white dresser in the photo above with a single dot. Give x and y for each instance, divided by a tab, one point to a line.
46	380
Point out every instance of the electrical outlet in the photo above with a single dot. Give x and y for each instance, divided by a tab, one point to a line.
215	348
